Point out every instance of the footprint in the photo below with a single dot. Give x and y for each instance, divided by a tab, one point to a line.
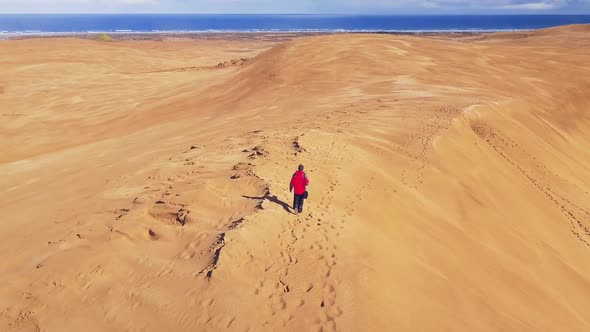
193	244
299	303
169	214
330	288
187	255
335	311
207	302
153	235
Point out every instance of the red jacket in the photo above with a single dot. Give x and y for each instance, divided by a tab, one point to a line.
299	181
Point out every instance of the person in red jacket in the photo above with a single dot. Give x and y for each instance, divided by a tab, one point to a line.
298	182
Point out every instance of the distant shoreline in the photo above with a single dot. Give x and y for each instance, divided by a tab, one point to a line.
123	36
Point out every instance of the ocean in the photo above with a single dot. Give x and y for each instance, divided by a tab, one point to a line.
12	24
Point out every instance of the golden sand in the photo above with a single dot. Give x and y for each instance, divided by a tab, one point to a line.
144	188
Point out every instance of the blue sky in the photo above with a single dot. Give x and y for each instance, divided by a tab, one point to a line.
300	6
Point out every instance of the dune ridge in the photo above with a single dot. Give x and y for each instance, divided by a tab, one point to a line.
449	184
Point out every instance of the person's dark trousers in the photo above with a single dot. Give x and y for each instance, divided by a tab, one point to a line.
298	203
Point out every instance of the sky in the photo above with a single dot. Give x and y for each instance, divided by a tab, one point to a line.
299	6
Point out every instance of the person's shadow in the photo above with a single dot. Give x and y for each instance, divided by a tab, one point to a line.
273	199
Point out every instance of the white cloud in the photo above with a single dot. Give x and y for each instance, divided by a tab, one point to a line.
456	6
78	6
531	6
79	2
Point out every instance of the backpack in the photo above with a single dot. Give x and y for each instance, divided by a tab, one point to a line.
305	194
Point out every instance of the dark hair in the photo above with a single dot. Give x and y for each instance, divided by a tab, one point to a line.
300	167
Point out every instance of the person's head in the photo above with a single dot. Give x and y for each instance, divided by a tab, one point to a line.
300	168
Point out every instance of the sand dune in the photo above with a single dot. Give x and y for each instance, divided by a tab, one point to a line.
144	187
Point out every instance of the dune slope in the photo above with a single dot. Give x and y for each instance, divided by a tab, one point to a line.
145	188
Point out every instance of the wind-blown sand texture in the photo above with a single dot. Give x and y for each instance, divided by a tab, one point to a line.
144	188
